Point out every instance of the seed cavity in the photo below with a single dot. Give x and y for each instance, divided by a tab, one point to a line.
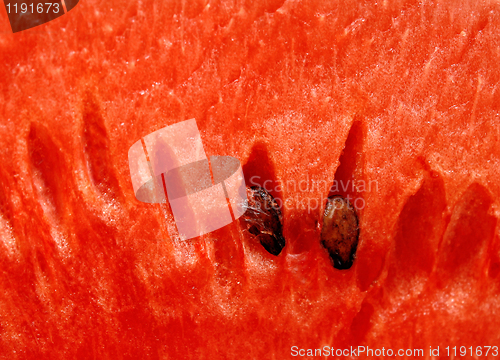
263	220
340	232
97	148
47	166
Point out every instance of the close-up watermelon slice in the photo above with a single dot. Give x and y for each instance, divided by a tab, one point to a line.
391	108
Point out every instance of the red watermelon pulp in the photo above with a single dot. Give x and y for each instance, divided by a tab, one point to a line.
399	95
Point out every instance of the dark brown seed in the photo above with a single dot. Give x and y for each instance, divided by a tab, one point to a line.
340	232
263	220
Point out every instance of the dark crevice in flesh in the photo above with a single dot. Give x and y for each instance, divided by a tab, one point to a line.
361	324
468	236
259	171
419	230
96	148
343	234
350	182
355	332
348	177
46	166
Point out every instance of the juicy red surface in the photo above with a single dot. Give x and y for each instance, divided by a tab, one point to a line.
401	93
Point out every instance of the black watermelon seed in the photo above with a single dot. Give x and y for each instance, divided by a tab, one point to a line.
263	220
340	232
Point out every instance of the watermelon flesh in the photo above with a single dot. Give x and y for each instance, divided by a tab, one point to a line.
400	95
